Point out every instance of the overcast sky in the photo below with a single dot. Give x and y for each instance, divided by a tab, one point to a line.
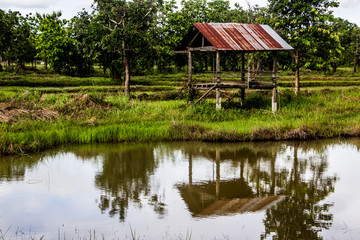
349	9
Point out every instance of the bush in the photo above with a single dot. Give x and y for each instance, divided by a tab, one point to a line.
257	100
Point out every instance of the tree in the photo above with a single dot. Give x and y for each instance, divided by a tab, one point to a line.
82	31
55	45
16	43
24	45
6	34
50	31
349	38
327	53
128	25
297	21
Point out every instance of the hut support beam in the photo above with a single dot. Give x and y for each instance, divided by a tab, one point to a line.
190	87
274	92
206	94
218	80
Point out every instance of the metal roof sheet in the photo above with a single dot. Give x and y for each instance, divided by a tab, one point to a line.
241	37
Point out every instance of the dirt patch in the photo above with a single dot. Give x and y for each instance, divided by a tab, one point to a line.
351	98
84	102
16	114
296	134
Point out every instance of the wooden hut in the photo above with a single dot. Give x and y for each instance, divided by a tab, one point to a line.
221	38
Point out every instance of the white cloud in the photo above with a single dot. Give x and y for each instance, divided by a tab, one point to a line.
39	4
349	9
349	3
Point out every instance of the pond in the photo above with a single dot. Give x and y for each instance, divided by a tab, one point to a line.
191	190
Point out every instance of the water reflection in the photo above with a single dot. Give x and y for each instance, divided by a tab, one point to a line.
287	182
230	196
13	168
125	177
290	194
302	215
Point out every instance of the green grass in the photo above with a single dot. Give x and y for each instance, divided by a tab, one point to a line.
33	119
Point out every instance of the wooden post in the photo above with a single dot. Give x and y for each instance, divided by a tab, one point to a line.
296	54
249	70
274	93
190	87
218	80
274	100
242	77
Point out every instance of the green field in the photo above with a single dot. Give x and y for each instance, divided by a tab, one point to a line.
39	110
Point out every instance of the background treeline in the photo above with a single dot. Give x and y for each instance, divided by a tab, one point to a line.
137	37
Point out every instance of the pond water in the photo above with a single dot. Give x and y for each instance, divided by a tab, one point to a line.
296	190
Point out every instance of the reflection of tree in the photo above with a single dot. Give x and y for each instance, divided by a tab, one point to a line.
125	178
301	215
303	185
353	142
14	167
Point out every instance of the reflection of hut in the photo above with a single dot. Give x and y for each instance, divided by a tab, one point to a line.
222	197
238	38
235	197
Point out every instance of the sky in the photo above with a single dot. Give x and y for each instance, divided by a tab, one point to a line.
349	9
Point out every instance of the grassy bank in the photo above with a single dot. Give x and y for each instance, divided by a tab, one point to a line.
32	119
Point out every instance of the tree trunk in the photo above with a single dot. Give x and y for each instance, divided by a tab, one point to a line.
112	72
46	64
127	70
296	55
334	68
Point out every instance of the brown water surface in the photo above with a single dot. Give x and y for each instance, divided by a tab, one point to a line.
296	190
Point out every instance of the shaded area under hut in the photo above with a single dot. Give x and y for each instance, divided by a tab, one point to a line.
222	38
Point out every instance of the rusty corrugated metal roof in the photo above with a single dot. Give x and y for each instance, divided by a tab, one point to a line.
241	37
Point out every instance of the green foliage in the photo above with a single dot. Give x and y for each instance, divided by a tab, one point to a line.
347	33
258	100
63	53
307	31
16	42
144	33
128	33
83	31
